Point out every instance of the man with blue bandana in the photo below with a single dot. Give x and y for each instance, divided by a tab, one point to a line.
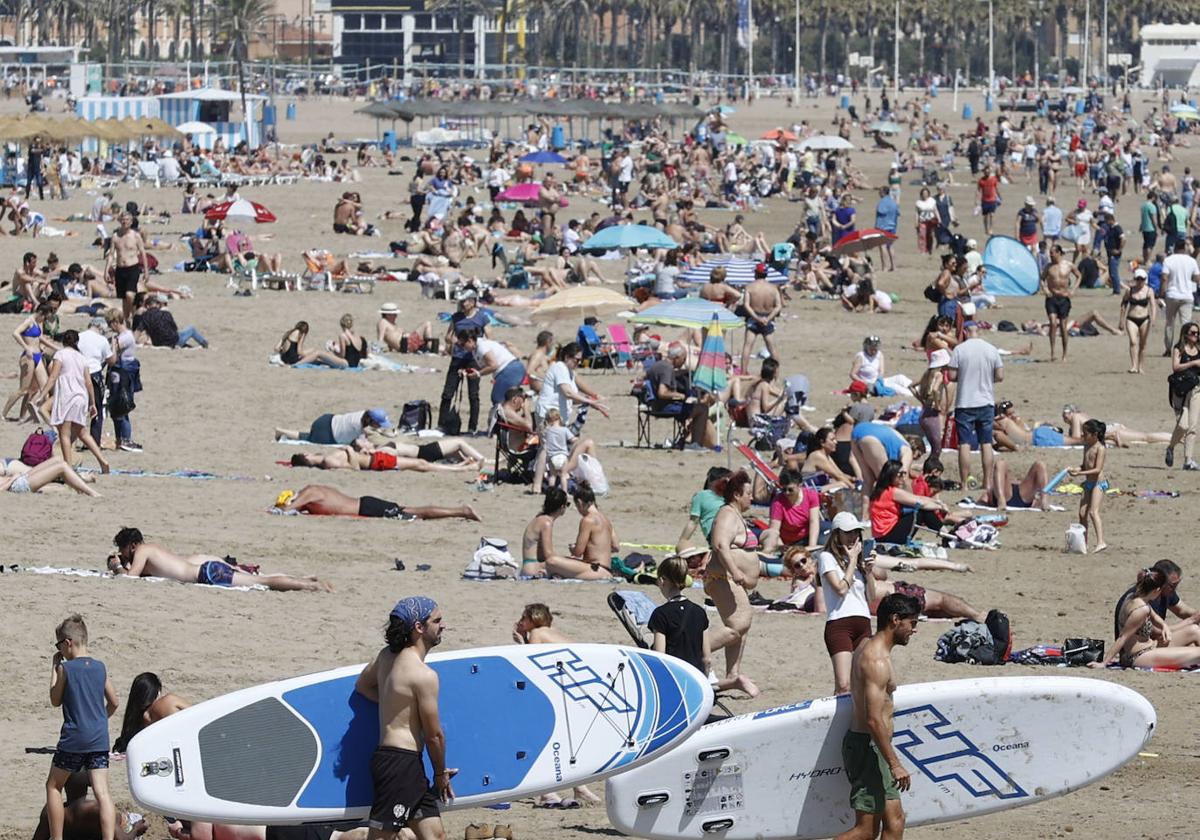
406	690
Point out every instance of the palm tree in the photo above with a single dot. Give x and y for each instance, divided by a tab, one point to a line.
236	21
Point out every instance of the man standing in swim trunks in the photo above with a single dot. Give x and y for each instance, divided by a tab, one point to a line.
873	768
1059	281
988	188
137	558
127	262
406	690
761	305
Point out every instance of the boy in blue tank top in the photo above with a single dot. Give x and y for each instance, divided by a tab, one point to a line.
80	685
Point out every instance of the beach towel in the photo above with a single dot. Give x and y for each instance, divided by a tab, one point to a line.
94	573
369	363
194	475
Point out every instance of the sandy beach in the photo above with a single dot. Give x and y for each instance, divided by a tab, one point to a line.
214	411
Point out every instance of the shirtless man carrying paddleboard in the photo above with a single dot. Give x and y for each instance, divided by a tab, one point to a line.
873	769
406	690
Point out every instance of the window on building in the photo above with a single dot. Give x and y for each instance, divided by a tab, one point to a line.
422	22
352	23
393	23
445	23
372	22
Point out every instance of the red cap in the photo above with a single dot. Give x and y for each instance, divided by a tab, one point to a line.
858	387
760	270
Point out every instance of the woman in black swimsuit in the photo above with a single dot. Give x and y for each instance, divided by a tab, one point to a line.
351	346
291	349
1137	318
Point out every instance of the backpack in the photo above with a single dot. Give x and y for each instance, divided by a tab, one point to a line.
1170	222
968	641
416	416
39	447
1000	628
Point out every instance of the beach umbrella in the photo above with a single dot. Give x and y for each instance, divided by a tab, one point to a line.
693	313
71	128
1185	112
712	371
885	127
629	236
543	157
195	128
581	301
862	240
826	143
732	139
523	192
153	127
241	210
738	271
778	134
726	109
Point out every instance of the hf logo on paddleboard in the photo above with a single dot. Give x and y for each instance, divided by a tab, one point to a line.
947	756
580	683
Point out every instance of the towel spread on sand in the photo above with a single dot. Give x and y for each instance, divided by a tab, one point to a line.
195	475
369	363
94	573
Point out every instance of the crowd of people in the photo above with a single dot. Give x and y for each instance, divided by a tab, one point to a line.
847	503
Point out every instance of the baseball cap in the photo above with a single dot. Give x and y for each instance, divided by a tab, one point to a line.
847	521
971	243
861	413
858	387
760	270
1029	202
1140	273
379	416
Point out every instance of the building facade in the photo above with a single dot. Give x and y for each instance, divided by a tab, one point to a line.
1170	54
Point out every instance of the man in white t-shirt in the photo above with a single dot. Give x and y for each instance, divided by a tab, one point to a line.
976	366
1179	288
98	352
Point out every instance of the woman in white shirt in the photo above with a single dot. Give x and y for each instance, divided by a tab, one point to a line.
927	221
867	366
848	587
494	358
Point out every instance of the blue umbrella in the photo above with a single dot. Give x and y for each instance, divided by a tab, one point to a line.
688	312
543	157
738	272
726	109
629	236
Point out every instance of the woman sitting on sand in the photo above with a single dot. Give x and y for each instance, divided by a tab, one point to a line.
291	350
822	449
34	479
350	345
1135	645
537	543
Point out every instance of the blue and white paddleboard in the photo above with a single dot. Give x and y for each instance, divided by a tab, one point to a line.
519	720
971	746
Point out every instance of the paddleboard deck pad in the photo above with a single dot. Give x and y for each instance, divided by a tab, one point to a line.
971	746
519	720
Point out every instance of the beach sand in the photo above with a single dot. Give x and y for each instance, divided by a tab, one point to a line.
214	411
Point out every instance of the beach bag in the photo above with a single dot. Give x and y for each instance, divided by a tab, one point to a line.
1183	382
968	641
38	448
416	416
1080	652
491	561
1076	539
588	469
452	421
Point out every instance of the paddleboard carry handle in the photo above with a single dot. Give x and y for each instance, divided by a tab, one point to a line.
719	754
713	826
649	800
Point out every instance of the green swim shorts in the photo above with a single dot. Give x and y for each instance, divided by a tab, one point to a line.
871	782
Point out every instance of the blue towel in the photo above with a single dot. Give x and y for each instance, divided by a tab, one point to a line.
1047	436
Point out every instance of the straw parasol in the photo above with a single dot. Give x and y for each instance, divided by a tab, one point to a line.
65	130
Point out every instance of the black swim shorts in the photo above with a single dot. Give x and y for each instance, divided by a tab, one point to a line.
379	508
1058	307
402	793
430	452
127	279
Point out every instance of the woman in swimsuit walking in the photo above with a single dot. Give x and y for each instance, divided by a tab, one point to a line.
1135	646
1137	318
732	573
32	339
291	349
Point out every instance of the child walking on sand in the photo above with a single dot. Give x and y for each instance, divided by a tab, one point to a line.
81	686
1094	484
679	625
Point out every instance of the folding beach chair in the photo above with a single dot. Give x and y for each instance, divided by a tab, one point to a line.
646	413
597	354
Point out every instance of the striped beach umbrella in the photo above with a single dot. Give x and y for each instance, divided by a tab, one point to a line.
712	371
738	272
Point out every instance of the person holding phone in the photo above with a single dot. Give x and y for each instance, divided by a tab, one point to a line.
848	587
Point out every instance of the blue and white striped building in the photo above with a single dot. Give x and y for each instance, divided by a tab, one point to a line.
207	105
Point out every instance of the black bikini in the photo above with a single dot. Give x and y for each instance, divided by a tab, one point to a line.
1140	303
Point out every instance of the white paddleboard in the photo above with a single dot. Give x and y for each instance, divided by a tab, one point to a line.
519	720
972	747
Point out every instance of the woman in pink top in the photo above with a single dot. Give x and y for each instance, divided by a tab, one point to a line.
795	514
74	399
